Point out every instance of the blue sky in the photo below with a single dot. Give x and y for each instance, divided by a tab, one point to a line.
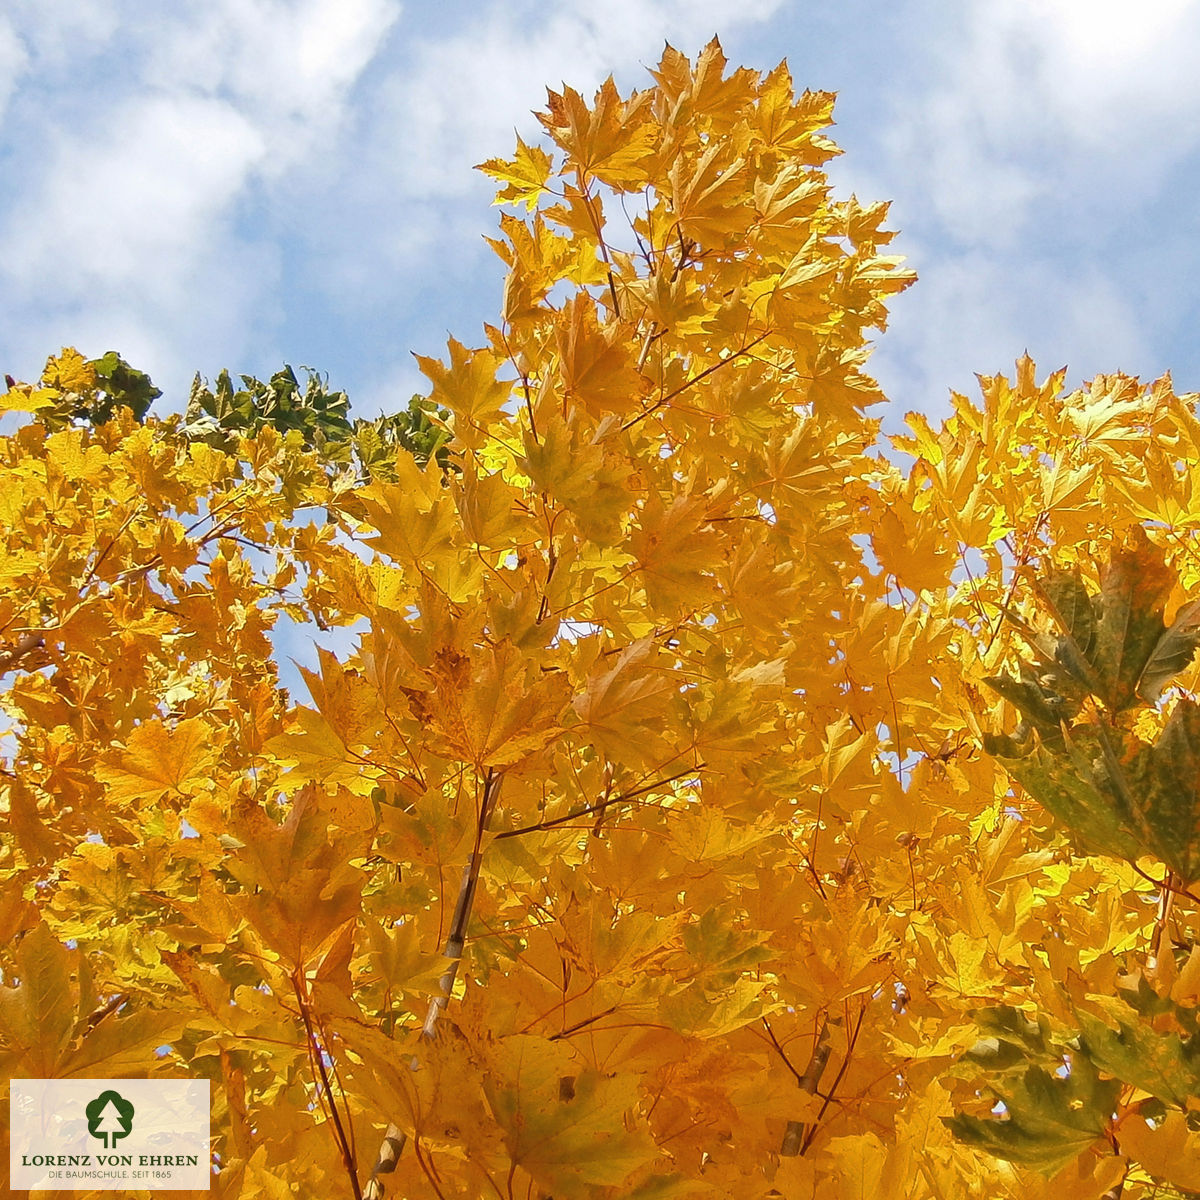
237	183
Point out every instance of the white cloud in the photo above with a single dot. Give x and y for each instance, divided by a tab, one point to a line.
132	209
220	181
15	59
126	242
1108	59
287	66
463	95
397	213
61	35
1023	158
1101	321
1037	98
147	137
976	313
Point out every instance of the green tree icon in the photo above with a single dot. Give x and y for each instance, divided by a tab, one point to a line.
109	1117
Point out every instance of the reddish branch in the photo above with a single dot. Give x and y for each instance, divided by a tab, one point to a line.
599	807
837	1079
695	379
316	1051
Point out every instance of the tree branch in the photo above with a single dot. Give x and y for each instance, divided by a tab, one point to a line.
394	1138
795	1136
26	644
317	1052
837	1079
591	212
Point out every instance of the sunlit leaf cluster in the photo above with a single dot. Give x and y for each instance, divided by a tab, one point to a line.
706	795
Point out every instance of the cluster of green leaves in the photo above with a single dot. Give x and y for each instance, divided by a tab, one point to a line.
318	419
1077	750
1059	1092
419	430
1081	752
310	416
224	412
1055	1103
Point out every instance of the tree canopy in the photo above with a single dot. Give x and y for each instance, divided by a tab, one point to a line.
720	798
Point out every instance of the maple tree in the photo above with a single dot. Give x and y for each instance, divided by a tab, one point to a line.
711	804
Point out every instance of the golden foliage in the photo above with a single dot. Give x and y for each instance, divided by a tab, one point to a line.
643	845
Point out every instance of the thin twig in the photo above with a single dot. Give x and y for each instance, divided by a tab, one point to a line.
599	806
316	1053
850	1044
1166	900
591	212
570	1030
1019	564
687	383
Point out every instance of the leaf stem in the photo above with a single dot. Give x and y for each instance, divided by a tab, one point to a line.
1166	902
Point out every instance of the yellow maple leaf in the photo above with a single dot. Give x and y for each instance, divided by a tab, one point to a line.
69	372
300	887
1170	1151
596	368
566	1142
674	547
468	387
23	398
159	761
912	548
624	704
492	711
614	140
524	175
